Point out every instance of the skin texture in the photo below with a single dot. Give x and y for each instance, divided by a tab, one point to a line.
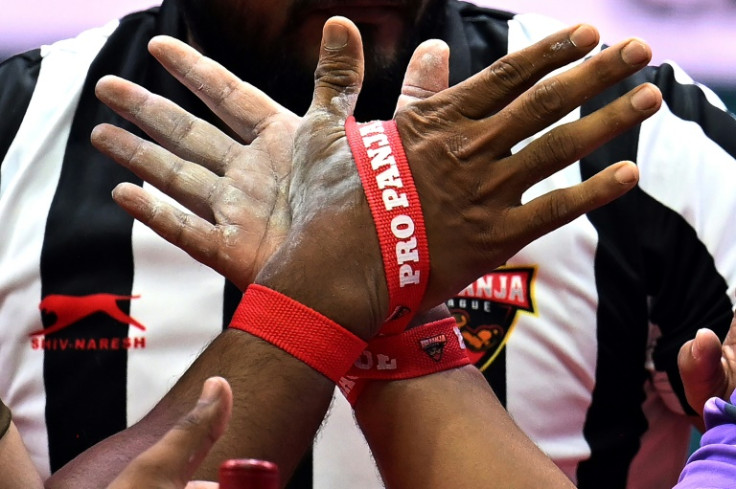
434	432
16	468
329	215
172	460
279	401
708	367
466	132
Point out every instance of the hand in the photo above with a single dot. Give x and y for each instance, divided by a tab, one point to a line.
458	143
707	367
235	186
171	462
472	197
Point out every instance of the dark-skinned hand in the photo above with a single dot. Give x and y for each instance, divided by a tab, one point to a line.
458	143
236	186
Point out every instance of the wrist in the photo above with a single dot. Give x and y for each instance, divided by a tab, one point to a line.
298	330
343	288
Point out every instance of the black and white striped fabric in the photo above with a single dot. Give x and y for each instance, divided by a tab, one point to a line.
578	334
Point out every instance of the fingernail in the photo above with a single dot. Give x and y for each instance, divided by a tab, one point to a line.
584	36
635	53
627	174
645	98
210	391
335	35
695	347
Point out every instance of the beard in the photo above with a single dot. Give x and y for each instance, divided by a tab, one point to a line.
237	40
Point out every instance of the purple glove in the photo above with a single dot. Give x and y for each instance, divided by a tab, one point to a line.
713	465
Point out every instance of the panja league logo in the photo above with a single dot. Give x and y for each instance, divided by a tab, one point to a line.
486	311
64	311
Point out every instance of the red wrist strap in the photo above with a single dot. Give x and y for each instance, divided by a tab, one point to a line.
397	215
298	330
424	350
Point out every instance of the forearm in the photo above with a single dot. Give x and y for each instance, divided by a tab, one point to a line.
449	430
278	405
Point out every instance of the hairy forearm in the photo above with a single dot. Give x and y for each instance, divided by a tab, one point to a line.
449	430
278	405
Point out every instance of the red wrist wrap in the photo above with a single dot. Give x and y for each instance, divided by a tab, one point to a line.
397	215
424	350
298	330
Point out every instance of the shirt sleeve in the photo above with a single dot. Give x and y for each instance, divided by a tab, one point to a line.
713	465
18	76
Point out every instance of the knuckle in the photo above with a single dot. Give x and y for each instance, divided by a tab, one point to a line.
230	156
139	155
547	99
183	126
447	142
557	212
338	75
457	148
191	420
560	146
228	91
173	176
510	72
603	72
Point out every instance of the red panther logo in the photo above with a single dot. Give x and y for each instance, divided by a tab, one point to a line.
70	309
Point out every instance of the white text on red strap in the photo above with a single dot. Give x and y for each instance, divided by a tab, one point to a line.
389	182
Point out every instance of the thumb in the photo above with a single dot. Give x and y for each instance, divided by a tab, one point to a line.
428	72
339	73
700	367
174	458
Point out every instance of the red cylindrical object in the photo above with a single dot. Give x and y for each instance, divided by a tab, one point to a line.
249	473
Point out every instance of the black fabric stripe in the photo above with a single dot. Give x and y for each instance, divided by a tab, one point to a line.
475	41
231	299
303	476
495	374
640	256
615	421
687	292
689	103
87	250
18	77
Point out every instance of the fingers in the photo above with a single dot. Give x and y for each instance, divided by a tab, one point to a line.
701	369
188	183
173	459
553	98
175	129
554	209
194	235
569	142
240	105
496	86
339	73
428	72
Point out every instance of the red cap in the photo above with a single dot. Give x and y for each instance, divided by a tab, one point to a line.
249	473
